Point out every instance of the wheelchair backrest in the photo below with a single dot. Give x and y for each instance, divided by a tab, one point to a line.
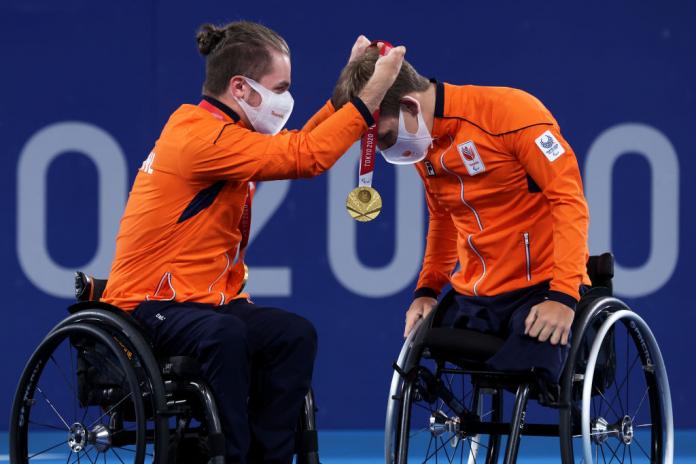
87	288
600	269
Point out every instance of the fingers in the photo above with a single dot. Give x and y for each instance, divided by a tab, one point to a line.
531	317
411	318
396	53
359	47
565	336
556	335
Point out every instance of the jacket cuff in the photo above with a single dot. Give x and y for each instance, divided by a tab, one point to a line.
425	291
563	298
364	112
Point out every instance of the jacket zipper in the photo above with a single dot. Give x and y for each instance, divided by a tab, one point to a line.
471	208
527	255
483	263
461	185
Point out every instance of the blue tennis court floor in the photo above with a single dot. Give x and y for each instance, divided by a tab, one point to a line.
366	447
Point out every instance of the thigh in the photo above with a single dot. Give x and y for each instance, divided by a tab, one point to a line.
183	329
269	329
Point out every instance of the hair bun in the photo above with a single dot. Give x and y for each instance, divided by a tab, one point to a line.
208	38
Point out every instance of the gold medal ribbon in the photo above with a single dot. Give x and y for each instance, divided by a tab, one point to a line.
364	203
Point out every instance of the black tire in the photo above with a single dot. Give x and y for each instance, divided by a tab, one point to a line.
29	410
627	392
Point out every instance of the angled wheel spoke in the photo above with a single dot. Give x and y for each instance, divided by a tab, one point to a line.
64	375
48	426
618	416
613	452
418	432
635	440
119	457
434	453
108	411
476	442
53	408
625	381
90	457
60	443
444	448
430	444
640	405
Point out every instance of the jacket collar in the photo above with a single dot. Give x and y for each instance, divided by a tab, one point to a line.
229	112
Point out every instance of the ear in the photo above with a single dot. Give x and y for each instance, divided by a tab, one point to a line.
410	106
237	87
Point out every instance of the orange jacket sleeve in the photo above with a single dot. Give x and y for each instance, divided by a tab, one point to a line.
320	116
440	251
551	163
236	153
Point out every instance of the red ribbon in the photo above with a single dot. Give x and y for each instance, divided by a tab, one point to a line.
245	219
368	142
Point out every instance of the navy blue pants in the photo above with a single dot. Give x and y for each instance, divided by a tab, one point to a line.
504	315
258	362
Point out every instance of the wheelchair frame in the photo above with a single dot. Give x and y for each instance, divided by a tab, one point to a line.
597	305
164	393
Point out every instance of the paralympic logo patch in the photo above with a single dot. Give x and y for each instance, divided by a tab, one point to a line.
549	146
471	158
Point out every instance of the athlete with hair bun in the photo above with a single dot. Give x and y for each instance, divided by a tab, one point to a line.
179	264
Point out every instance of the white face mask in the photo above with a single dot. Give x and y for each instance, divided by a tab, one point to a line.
409	148
273	111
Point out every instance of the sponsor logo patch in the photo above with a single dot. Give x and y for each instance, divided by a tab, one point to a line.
471	158
549	146
146	167
429	168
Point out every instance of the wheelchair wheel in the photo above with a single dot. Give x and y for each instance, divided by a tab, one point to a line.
79	399
620	404
422	427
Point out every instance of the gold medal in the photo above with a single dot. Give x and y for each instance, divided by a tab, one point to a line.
364	204
245	280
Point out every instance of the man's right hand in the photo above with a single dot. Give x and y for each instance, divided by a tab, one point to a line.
420	308
387	69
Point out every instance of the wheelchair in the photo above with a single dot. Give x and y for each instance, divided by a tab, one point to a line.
94	391
613	399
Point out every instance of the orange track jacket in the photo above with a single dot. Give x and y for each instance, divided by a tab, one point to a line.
180	233
505	197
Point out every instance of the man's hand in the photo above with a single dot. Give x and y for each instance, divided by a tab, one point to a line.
359	47
420	308
551	321
387	69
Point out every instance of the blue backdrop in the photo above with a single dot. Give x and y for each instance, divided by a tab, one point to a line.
86	86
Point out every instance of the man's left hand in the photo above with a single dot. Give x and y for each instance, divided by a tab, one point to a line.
549	320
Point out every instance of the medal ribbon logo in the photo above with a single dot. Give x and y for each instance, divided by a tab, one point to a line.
364	202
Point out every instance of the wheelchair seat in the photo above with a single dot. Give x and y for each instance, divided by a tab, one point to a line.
459	345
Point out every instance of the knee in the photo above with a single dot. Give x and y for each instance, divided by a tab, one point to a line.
301	332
